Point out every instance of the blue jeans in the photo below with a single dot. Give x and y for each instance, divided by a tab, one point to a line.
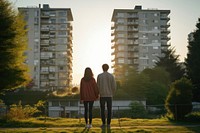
108	102
86	103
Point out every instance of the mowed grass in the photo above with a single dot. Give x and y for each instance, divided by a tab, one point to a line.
123	125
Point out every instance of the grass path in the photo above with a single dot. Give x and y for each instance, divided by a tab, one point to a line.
113	129
124	125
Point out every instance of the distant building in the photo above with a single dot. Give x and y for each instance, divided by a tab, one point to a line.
138	37
49	53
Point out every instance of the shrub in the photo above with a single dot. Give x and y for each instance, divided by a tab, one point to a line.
179	99
20	112
193	117
138	110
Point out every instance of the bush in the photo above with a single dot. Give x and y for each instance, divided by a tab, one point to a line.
20	112
179	99
193	117
138	110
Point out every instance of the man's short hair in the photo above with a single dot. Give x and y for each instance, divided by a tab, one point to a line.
105	67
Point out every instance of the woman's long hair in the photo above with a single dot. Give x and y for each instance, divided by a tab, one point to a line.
88	74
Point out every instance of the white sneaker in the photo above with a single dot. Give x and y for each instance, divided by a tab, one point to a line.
87	126
90	126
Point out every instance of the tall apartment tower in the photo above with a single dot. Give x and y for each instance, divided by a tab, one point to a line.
138	37
49	53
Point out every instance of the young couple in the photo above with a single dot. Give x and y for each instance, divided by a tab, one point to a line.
90	90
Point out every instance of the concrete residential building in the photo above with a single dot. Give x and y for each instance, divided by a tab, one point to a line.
49	53
138	37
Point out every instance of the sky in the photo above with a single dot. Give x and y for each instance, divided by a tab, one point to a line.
92	27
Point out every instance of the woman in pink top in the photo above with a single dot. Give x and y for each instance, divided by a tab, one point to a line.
88	94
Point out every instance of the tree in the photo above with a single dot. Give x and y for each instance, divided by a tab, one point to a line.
170	62
13	43
156	93
158	85
192	61
179	99
135	84
158	74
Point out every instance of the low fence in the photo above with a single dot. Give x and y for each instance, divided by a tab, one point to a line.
137	111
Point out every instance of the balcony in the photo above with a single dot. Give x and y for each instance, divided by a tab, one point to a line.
164	17
163	30
44	36
135	36
45	14
45	21
132	29
132	23
44	28
44	42
112	33
134	16
134	49
165	38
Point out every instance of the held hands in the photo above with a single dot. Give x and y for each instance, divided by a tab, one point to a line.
81	101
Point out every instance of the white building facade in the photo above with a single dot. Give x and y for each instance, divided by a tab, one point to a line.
49	53
73	108
138	37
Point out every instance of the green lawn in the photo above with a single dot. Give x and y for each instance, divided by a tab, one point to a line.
123	125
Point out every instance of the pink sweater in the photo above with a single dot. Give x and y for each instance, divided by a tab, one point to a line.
88	90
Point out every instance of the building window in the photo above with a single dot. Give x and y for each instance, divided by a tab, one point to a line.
52	27
120	14
120	60
145	62
52	83
155	47
52	69
129	61
36	62
62	33
120	41
61	68
44	69
156	34
46	55
53	14
120	35
63	27
155	21
62	14
154	41
155	28
144	41
120	27
62	20
156	14
144	21
121	48
53	21
62	40
130	41
144	49
121	21
120	54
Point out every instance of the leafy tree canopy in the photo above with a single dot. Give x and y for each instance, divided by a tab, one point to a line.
13	43
192	61
171	63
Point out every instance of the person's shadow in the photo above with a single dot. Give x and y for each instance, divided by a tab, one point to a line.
85	130
105	130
